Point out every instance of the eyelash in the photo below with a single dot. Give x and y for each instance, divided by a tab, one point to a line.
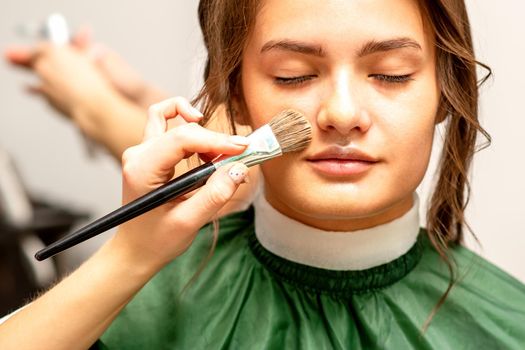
394	79
294	80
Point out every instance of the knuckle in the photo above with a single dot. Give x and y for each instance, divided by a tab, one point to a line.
128	171
131	168
154	110
171	105
133	177
127	174
178	100
39	66
128	155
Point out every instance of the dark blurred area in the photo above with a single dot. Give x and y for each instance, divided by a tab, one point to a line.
26	225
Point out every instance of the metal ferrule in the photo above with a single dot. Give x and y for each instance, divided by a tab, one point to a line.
263	146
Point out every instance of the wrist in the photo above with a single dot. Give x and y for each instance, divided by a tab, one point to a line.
104	120
140	264
91	115
139	91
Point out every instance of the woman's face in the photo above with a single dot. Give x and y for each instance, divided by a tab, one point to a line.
363	72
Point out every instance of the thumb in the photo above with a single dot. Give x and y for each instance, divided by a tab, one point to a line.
203	206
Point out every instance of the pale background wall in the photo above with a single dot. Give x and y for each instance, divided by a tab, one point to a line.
161	39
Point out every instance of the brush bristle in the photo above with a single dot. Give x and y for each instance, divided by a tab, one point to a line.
292	130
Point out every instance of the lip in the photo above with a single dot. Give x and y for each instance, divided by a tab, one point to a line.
341	161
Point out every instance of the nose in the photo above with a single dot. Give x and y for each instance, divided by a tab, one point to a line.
342	109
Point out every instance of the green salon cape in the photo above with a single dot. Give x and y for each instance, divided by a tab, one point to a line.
248	298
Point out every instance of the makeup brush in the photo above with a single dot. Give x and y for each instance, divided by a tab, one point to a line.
288	131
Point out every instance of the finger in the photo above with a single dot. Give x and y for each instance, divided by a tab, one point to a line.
22	56
83	39
42	90
35	89
159	113
41	60
203	206
207	157
50	95
152	163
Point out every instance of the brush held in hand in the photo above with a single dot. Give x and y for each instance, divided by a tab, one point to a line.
288	131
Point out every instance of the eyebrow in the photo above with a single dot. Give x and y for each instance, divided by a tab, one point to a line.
375	46
293	46
368	48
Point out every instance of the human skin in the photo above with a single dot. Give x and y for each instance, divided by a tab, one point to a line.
77	88
106	98
91	85
305	55
84	304
348	105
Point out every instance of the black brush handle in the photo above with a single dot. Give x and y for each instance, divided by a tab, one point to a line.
179	186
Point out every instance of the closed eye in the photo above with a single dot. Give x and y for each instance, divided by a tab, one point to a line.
294	80
396	79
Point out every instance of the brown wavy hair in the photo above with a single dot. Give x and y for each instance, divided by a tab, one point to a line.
226	25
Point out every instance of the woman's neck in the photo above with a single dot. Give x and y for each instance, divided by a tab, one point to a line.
335	250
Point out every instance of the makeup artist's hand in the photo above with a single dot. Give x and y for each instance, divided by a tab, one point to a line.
96	292
124	78
155	238
92	86
68	78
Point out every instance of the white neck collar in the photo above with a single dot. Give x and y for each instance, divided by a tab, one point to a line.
356	250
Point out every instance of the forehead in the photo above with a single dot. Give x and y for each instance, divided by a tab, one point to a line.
339	24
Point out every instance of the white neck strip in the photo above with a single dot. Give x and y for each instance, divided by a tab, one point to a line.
356	250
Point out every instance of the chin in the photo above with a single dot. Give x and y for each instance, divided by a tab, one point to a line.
331	204
302	194
339	209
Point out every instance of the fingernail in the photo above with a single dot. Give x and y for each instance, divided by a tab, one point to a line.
239	140
238	173
196	112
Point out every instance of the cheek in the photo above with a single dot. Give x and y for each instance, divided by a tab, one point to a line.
413	127
414	108
410	131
